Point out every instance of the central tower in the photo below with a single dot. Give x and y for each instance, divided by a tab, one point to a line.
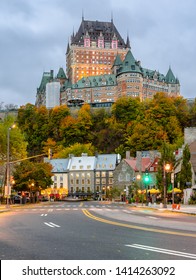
93	49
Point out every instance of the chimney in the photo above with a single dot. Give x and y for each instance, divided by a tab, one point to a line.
127	154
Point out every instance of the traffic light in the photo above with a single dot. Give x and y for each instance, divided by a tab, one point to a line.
49	153
146	177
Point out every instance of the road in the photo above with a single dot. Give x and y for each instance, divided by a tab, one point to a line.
95	230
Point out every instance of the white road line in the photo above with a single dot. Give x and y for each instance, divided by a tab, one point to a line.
127	211
44	215
151	217
163	251
52	225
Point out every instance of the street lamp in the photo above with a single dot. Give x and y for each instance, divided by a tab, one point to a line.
166	168
8	187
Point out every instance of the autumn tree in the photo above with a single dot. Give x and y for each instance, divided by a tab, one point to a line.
76	149
27	172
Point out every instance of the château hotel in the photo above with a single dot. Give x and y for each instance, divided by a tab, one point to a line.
100	68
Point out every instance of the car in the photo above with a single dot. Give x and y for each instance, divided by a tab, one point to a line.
17	199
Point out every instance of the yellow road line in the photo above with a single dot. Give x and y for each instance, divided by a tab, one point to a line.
91	216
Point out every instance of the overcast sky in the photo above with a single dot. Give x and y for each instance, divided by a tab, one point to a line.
34	36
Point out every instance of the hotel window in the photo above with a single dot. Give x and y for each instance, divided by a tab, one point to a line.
77	181
88	181
61	185
83	181
72	181
103	174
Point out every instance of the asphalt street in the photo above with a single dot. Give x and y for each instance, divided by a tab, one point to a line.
95	230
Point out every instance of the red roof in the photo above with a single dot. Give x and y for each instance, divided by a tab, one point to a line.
146	163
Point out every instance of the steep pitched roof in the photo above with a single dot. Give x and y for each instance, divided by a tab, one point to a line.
129	64
170	78
145	163
94	28
61	74
46	78
117	61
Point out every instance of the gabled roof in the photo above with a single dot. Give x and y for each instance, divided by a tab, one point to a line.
145	163
61	74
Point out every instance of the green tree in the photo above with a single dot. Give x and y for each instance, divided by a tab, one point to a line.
76	149
185	173
27	172
126	109
17	143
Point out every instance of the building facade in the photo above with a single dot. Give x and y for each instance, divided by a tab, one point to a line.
101	68
85	175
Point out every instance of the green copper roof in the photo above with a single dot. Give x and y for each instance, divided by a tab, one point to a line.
96	81
129	64
117	61
61	74
46	78
170	78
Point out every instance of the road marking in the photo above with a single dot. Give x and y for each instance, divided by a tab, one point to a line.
127	211
151	217
163	251
91	216
43	215
52	225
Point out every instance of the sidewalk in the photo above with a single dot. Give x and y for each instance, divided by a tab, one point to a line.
188	209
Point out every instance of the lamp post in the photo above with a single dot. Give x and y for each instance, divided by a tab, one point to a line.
8	188
166	168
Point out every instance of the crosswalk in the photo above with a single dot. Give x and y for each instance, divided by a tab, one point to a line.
75	207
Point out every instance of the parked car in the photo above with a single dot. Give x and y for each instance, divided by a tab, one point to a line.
17	199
